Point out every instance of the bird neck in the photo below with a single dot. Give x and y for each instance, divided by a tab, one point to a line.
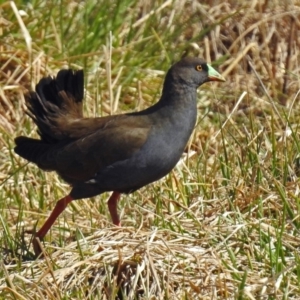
178	102
178	96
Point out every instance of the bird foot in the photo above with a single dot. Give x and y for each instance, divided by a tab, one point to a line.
36	243
37	247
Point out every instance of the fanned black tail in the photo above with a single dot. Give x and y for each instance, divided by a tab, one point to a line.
30	149
55	103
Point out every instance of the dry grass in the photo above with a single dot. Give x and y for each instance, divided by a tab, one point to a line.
225	223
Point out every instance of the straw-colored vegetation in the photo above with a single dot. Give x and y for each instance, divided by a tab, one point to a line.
225	223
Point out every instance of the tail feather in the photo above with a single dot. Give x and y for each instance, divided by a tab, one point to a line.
56	103
31	149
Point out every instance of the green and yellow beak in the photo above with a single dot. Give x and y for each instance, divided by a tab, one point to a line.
213	75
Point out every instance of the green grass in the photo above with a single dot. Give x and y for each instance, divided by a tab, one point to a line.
224	224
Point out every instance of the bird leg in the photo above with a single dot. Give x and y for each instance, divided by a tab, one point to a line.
58	209
113	207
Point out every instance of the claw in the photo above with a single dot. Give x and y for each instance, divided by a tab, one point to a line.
37	247
36	243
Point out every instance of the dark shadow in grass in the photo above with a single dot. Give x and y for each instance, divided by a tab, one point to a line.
17	250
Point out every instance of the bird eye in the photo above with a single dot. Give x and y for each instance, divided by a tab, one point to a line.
199	68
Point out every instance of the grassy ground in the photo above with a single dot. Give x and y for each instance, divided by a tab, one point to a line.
225	223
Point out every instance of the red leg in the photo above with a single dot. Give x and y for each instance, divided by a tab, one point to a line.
58	209
113	207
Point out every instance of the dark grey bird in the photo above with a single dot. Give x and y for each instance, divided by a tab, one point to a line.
119	153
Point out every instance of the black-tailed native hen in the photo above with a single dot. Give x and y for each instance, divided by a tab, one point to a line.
118	153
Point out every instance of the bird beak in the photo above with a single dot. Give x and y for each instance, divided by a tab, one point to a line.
213	75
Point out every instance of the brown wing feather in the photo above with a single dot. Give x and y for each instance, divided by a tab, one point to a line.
81	159
74	146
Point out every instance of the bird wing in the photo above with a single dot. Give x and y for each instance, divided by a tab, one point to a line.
97	147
